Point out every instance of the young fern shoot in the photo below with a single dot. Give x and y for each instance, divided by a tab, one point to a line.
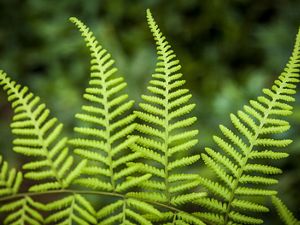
165	136
241	171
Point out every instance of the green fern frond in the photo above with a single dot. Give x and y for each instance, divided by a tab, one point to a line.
171	218
239	170
23	211
10	179
73	209
285	214
103	140
39	137
127	211
141	166
160	139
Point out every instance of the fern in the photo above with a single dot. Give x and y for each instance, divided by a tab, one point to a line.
68	210
139	158
240	171
10	182
285	214
23	211
103	140
10	179
38	137
164	135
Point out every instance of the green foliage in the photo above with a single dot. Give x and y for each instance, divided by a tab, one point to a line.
38	137
106	122
161	138
10	179
140	158
71	209
23	211
240	170
285	214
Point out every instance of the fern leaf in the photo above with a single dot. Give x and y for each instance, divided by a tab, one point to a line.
143	206
132	182
285	214
10	179
247	205
39	137
71	209
151	196
186	198
241	218
160	138
105	138
212	204
23	211
237	166
190	219
164	217
178	217
211	218
107	122
127	211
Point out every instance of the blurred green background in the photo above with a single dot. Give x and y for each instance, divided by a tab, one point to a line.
229	51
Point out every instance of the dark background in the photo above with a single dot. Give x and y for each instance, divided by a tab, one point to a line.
229	51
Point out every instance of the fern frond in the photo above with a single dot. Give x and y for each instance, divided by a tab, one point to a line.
70	210
107	123
20	211
161	140
39	137
10	179
119	154
187	198
239	170
162	219
189	218
105	138
177	218
23	211
285	214
127	211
